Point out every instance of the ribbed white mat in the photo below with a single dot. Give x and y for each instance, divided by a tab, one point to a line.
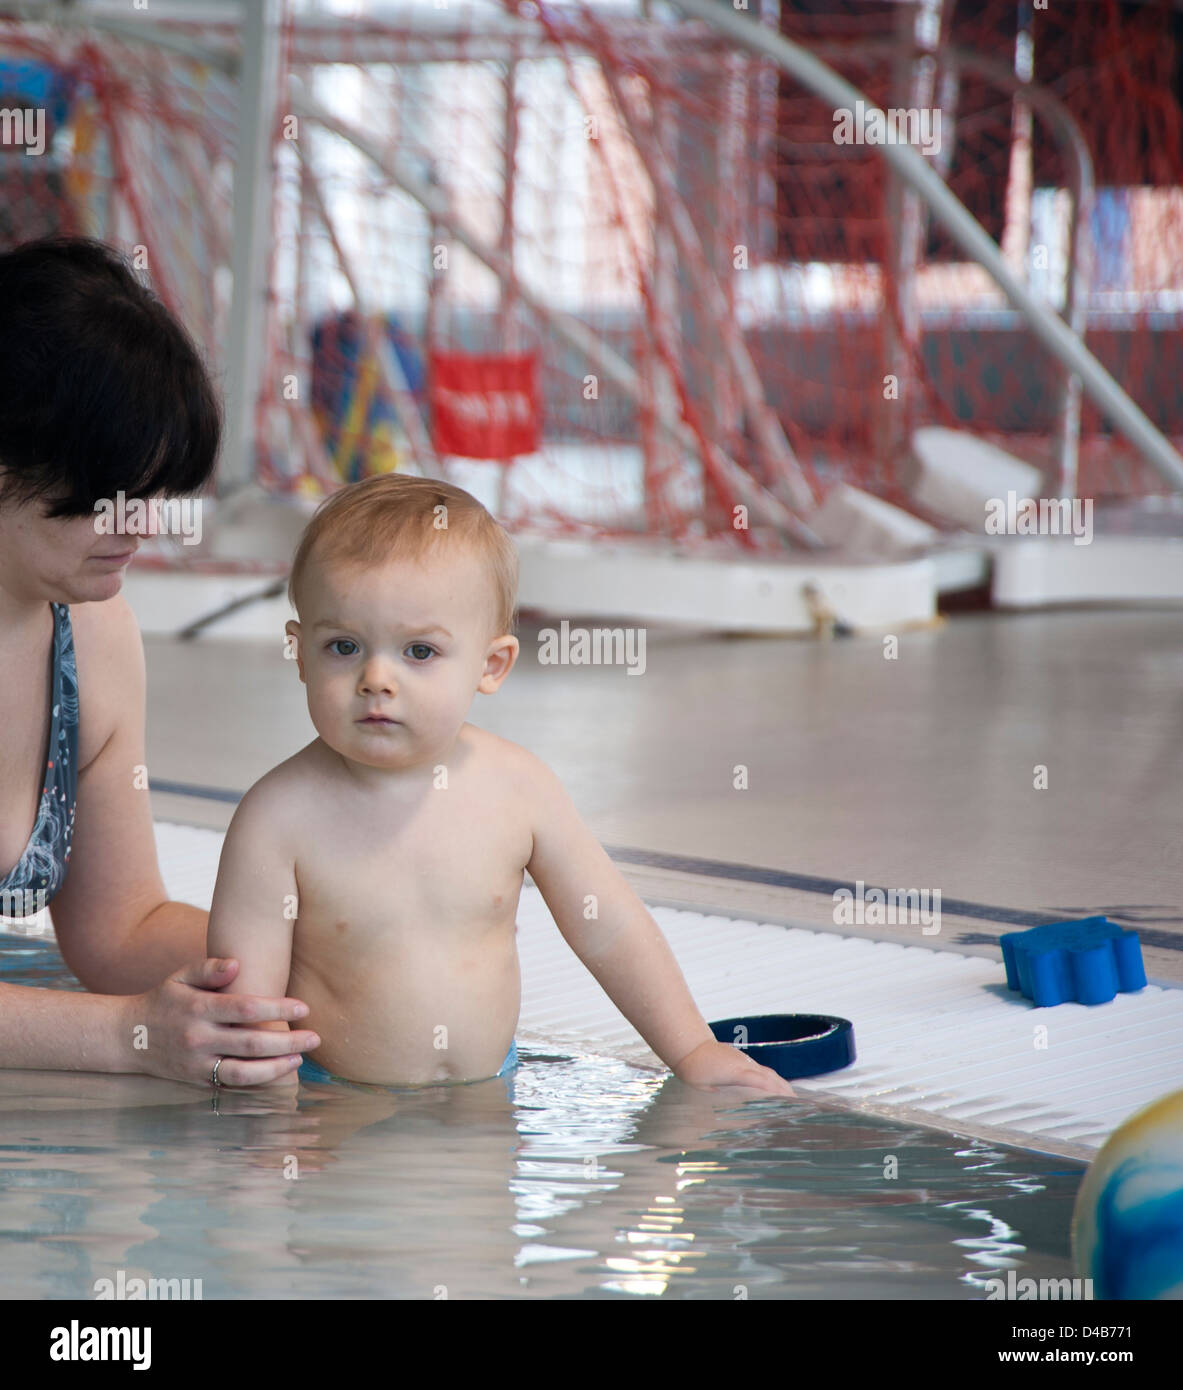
940	1038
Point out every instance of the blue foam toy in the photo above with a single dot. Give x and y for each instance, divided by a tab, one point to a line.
1088	961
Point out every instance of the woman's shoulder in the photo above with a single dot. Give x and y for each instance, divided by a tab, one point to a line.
107	620
109	657
107	638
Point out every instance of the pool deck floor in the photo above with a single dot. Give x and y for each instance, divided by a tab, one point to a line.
918	772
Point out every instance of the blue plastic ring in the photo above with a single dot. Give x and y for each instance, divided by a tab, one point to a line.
793	1045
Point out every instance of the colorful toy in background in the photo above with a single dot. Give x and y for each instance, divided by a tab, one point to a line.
482	406
36	198
356	417
1127	1227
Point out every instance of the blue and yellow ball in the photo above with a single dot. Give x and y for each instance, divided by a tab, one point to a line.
1127	1227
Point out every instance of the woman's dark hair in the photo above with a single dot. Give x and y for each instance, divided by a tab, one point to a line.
101	389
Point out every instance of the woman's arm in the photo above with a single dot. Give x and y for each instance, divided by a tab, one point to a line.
115	926
177	1030
53	1030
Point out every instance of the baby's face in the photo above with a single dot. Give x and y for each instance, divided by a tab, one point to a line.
393	657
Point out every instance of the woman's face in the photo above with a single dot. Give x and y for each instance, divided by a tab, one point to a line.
63	560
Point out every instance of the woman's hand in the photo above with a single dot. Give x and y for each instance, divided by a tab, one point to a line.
715	1065
180	1028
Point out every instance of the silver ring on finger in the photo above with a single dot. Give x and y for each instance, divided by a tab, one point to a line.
214	1078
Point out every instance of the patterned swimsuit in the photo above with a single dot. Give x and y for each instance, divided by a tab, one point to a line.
41	870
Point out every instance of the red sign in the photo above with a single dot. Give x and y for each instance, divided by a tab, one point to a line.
485	407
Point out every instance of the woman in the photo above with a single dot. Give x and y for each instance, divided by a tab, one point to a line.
101	391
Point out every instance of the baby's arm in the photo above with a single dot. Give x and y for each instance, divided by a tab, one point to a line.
252	916
623	946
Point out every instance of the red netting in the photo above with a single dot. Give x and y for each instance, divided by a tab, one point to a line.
713	289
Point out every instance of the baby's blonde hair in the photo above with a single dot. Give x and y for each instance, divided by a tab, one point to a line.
398	517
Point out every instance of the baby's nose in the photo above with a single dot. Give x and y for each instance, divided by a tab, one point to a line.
377	681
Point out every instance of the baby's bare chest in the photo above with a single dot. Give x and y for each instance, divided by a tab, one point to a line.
450	867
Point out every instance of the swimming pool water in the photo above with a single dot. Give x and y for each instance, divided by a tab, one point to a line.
591	1179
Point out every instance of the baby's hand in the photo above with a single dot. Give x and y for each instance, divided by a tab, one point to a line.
714	1064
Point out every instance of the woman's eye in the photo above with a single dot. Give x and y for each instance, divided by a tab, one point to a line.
342	642
420	650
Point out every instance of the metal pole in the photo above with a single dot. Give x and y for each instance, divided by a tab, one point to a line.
913	82
252	231
506	287
1047	326
662	462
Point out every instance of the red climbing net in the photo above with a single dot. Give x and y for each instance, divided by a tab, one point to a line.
708	297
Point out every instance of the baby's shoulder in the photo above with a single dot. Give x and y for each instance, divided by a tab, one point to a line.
280	794
514	766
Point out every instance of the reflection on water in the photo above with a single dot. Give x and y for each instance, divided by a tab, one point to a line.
580	1177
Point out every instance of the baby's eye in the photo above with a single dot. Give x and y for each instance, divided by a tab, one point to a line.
421	651
342	642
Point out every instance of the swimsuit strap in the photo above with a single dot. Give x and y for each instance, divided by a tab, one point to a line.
41	869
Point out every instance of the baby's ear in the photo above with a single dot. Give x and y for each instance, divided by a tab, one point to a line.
499	660
291	646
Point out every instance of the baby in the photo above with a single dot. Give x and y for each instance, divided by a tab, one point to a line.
375	875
